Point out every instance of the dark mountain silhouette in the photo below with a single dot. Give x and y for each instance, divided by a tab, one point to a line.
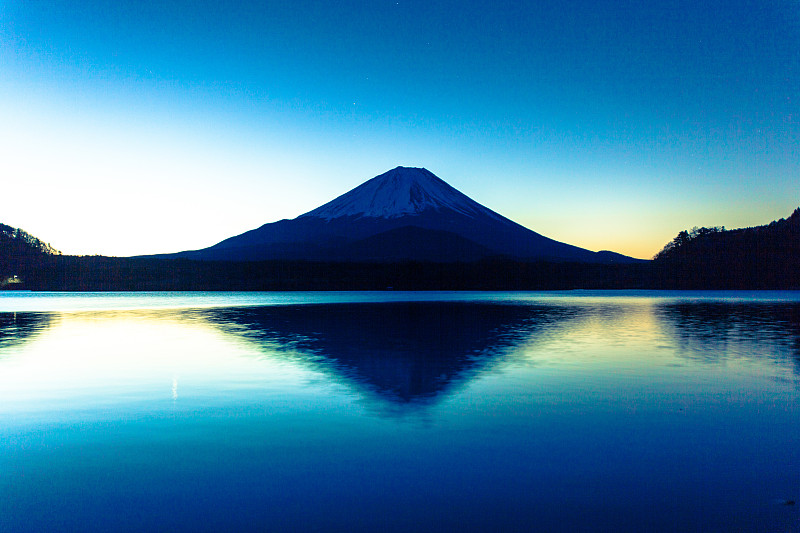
404	214
409	230
765	256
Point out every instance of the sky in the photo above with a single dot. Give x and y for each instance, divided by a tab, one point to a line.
132	127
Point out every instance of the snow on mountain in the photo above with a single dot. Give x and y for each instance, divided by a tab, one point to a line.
405	214
399	192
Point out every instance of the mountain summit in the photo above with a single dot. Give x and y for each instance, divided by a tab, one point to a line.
405	214
401	191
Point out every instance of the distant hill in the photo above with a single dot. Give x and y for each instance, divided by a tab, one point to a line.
19	249
15	242
760	257
405	214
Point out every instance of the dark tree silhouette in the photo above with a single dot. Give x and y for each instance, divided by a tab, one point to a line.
19	250
684	238
15	240
761	257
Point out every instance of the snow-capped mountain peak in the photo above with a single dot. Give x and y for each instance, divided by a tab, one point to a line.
405	214
399	192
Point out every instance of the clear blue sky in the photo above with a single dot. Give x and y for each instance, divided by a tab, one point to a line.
145	127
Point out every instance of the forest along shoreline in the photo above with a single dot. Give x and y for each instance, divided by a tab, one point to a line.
762	257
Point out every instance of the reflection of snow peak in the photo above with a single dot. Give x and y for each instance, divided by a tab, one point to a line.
401	191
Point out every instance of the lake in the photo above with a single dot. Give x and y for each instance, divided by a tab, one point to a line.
395	411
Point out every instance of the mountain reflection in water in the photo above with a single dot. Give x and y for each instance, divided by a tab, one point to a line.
416	352
406	353
517	413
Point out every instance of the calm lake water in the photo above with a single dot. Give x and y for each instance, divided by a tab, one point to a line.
575	411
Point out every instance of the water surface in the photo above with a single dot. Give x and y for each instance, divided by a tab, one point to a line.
583	411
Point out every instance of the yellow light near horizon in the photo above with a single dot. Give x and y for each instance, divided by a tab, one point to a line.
80	354
121	188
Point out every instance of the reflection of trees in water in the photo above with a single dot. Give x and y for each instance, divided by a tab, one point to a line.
405	352
718	331
17	328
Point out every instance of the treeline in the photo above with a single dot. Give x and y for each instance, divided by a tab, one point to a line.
19	248
70	273
17	244
97	273
761	257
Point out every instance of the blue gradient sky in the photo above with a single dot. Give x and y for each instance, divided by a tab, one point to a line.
129	128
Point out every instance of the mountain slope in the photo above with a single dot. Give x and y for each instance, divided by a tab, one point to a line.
400	192
410	205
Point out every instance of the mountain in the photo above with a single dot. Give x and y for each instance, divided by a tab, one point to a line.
403	214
